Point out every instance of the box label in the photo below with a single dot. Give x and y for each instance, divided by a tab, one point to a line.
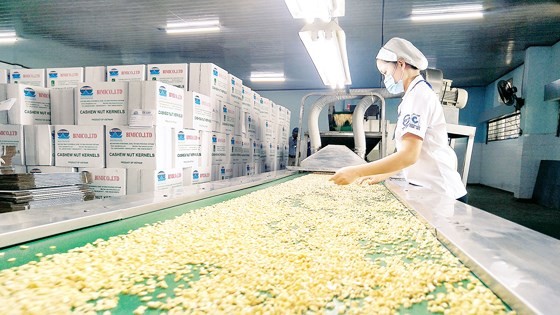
79	146
102	103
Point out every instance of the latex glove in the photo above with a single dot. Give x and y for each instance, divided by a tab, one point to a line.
345	175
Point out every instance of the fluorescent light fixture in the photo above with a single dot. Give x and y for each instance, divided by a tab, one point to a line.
202	26
458	12
267	77
8	37
316	9
326	44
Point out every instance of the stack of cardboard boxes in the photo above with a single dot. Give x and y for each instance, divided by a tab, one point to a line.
141	128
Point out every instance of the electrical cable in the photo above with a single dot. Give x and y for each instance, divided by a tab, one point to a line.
14	64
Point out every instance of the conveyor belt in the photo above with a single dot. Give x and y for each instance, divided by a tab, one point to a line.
129	302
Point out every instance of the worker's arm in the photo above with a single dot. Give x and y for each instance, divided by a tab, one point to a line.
407	156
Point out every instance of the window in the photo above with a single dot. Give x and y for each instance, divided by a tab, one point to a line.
505	127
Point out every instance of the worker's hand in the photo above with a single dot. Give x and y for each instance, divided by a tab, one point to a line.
370	180
346	175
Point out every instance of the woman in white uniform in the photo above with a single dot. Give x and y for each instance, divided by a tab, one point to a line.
423	153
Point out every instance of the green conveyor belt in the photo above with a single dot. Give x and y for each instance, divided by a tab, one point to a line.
73	239
128	303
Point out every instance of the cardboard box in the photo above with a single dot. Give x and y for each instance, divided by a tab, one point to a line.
251	123
176	74
262	157
154	103
222	171
62	106
198	112
247	99
229	120
263	107
59	77
79	146
281	114
107	182
197	175
101	103
3	96
236	145
235	91
247	108
49	169
246	151
211	80
221	148
126	73
95	74
268	130
32	106
247	169
192	148
139	148
39	144
32	77
270	159
141	180
12	135
4	76
273	112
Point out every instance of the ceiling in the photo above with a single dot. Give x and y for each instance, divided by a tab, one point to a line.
263	36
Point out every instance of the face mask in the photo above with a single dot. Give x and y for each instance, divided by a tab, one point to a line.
392	87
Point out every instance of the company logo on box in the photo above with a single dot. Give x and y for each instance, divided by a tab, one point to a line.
161	176
215	72
197	100
195	175
232	141
63	134
181	136
115	133
114	72
154	71
16	75
86	90
214	139
53	75
225	109
29	92
162	91
223	170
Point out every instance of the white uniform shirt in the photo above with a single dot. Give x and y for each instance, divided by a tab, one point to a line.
421	114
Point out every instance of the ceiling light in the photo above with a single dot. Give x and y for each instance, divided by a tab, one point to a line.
326	44
8	37
316	9
203	26
458	12
267	77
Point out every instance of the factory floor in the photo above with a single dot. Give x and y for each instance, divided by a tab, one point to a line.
523	212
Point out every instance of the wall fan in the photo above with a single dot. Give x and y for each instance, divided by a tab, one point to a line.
507	94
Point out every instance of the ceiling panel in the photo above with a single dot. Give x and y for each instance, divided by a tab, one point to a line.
262	36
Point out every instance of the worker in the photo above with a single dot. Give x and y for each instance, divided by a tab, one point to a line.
423	154
293	148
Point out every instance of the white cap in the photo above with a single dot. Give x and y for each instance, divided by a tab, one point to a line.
397	48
